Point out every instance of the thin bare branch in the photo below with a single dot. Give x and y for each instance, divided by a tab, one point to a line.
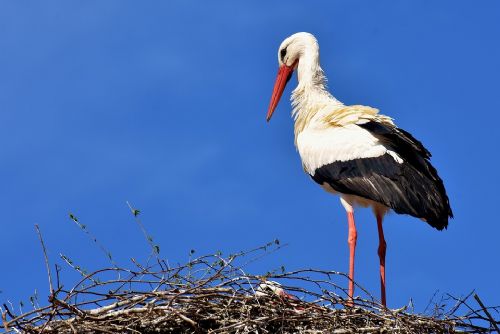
485	310
47	265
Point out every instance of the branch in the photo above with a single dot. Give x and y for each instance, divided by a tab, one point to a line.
46	258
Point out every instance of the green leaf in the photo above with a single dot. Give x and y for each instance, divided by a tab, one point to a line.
136	212
73	218
156	249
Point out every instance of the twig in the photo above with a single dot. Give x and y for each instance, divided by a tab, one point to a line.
46	258
92	237
155	249
4	320
484	309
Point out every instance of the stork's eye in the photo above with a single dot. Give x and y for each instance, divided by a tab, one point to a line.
283	53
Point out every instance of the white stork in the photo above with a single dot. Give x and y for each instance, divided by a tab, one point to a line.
355	152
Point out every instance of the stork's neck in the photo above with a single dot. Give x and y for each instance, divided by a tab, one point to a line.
311	94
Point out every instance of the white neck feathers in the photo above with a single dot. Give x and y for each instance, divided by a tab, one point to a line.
311	95
311	92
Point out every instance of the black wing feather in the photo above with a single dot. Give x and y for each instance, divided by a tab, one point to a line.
412	187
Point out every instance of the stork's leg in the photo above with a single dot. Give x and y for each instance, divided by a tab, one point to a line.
382	246
351	240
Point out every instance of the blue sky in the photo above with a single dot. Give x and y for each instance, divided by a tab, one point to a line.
163	104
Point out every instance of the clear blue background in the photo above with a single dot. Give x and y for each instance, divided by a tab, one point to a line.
163	104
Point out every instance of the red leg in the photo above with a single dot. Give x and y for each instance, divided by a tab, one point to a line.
351	240
382	246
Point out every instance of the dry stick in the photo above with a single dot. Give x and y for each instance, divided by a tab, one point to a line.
81	271
459	302
493	322
154	248
4	320
51	296
93	238
10	314
46	258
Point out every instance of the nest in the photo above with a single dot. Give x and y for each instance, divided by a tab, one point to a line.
213	294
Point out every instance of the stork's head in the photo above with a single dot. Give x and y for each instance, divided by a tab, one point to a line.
289	54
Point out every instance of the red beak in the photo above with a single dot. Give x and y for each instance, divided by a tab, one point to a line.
284	74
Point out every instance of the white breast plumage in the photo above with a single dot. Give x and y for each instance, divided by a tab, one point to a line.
319	146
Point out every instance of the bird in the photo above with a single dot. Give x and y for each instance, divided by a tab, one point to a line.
356	152
272	288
